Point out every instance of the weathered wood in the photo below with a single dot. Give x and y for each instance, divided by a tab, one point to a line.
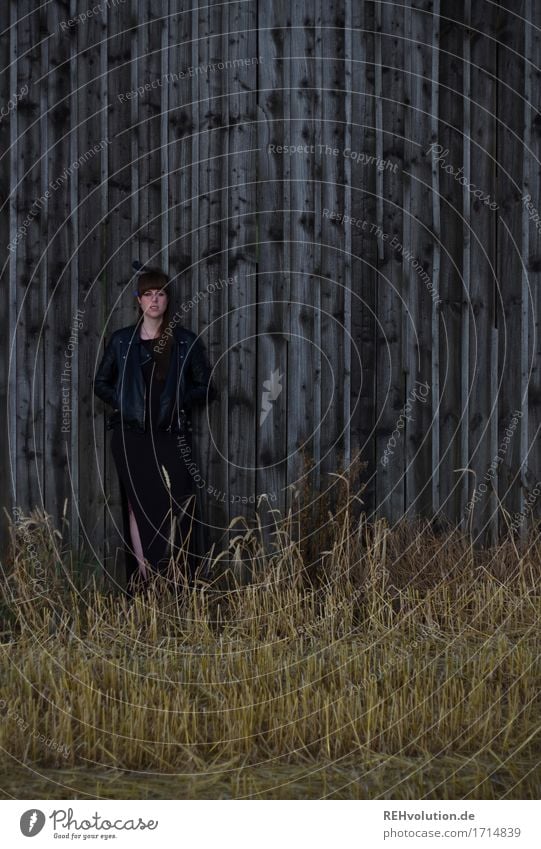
151	102
465	482
417	261
122	234
452	104
436	262
303	380
240	81
30	209
209	317
59	377
12	312
303	269
526	312
532	107
507	143
92	79
333	162
389	390
480	308
272	252
366	132
7	396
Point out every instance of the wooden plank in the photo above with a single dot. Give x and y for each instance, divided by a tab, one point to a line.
59	376
449	149
390	382
417	262
526	310
333	162
510	153
44	122
181	134
149	130
304	346
532	253
7	275
240	82
72	333
29	384
92	130
122	232
165	92
436	263
209	317
465	482
182	168
273	216
13	248
483	152
366	124
348	280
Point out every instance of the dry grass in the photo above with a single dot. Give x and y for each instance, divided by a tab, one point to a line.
395	664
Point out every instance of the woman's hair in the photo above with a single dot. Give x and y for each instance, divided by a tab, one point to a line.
156	278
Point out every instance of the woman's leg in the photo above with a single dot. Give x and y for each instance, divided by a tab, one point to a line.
136	542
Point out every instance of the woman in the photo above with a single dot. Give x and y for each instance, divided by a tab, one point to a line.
152	373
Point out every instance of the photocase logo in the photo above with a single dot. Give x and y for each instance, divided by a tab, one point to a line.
272	387
32	822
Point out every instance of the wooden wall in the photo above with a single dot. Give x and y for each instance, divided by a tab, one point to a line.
358	279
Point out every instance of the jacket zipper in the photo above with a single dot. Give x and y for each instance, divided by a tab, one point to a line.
176	399
144	408
172	412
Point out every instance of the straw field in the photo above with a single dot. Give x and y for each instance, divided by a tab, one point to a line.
359	662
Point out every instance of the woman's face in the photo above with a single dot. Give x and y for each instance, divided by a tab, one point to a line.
153	302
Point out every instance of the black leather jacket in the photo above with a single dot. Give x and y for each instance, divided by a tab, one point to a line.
119	380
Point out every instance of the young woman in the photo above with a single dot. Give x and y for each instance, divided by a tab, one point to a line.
151	374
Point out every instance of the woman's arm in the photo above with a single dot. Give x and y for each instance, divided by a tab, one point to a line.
199	383
105	381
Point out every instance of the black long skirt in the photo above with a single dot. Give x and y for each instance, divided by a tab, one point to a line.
157	484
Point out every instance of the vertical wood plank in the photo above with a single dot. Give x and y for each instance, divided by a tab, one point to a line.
72	334
303	376
240	82
272	252
417	261
7	325
508	141
483	151
449	149
436	263
526	311
532	109
165	94
59	376
122	227
149	130
330	162
465	482
182	165
390	395
209	318
92	79
44	131
31	206
12	276
366	126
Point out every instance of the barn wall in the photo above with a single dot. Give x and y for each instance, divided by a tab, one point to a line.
348	193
